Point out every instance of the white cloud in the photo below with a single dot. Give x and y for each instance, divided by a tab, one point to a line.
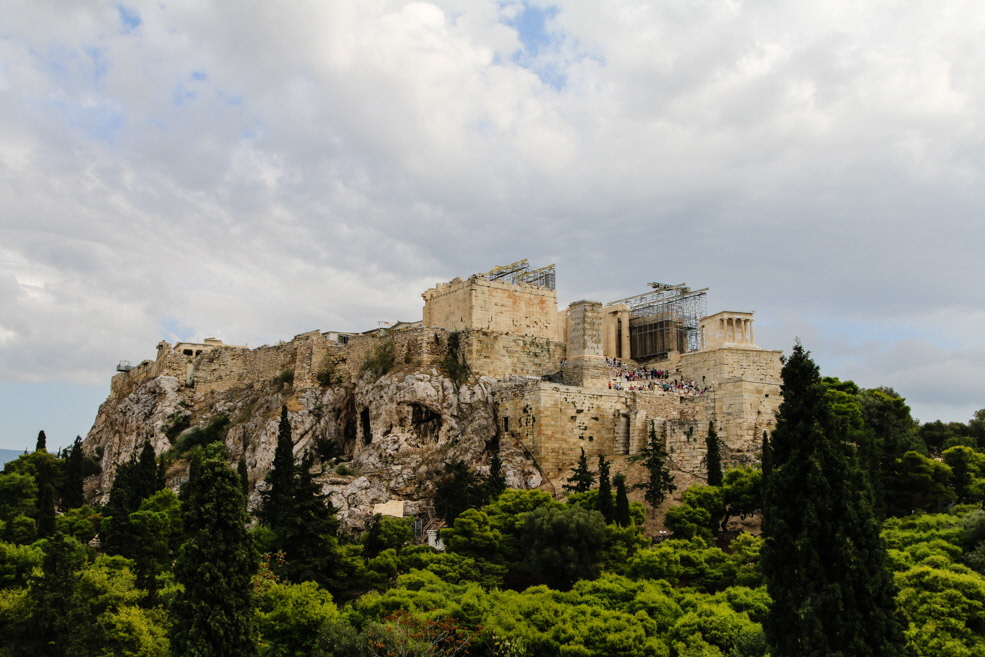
255	173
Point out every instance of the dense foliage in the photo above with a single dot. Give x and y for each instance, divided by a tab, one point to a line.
824	564
522	573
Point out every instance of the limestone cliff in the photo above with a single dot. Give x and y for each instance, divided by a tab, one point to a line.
374	438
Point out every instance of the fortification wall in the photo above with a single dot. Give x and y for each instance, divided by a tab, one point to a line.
498	306
714	366
420	347
554	422
501	356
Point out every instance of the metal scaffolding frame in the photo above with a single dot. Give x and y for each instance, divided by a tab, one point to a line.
665	319
520	272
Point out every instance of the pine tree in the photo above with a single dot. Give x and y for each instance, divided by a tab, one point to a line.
621	514
213	614
714	458
660	481
581	479
604	503
41	445
72	485
824	564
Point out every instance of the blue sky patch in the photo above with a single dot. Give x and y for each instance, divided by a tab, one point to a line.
129	18
531	28
174	330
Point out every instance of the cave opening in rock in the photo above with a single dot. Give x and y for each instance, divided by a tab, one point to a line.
426	422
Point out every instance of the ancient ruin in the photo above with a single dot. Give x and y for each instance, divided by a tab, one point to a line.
494	365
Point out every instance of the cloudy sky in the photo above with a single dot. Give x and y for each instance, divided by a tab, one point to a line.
254	170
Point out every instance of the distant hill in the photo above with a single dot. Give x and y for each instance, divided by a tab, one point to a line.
9	455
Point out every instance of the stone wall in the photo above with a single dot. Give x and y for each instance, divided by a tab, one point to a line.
502	356
498	306
418	347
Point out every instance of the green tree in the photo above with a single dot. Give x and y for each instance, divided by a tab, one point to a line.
309	542
742	494
621	513
714	457
496	482
387	532
966	467
604	500
581	479
41	445
277	505
244	475
18	500
919	483
156	532
459	489
213	613
660	481
72	493
561	545
57	612
825	566
134	482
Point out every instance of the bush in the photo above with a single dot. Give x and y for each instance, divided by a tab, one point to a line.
454	361
214	431
285	378
382	359
329	374
175	424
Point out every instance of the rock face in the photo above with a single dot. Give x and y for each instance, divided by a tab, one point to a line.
372	439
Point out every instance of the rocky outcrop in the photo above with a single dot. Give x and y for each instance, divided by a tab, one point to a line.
372	439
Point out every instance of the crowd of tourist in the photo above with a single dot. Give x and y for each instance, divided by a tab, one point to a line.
624	378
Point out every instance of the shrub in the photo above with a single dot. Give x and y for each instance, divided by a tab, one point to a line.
381	360
285	378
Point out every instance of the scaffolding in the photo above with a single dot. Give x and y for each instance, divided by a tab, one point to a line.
665	319
520	272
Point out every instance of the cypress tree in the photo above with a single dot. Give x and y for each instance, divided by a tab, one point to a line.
213	614
621	515
714	458
46	509
134	482
311	549
57	622
244	475
457	491
496	483
581	479
660	481
145	480
41	445
72	485
824	564
277	507
604	503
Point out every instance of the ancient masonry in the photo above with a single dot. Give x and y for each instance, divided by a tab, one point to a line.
560	380
557	369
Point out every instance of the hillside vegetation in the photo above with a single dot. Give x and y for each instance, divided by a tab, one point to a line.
522	573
